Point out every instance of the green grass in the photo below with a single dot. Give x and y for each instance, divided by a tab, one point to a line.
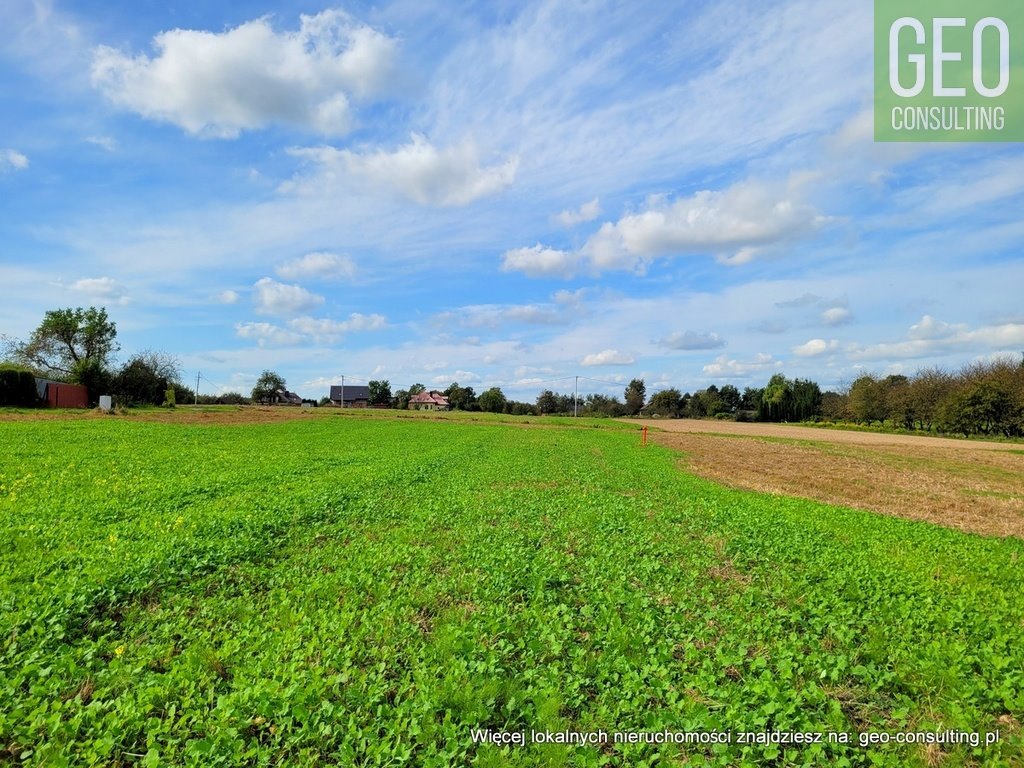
365	591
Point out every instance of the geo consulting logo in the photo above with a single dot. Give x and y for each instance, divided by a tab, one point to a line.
949	70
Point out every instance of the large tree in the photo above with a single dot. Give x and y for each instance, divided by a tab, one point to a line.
636	396
668	402
777	399
547	402
461	398
146	377
267	385
380	392
69	342
493	400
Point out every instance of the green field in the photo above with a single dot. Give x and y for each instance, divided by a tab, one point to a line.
368	591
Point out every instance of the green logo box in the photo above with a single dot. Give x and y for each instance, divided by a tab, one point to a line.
949	70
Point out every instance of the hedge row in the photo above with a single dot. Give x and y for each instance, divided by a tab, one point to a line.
17	387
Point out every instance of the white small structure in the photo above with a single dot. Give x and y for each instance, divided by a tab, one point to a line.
106	403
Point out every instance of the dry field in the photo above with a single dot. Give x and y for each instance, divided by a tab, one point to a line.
971	485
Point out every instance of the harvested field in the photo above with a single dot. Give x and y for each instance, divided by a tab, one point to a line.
970	485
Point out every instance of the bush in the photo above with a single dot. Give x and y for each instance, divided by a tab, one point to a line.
94	376
18	387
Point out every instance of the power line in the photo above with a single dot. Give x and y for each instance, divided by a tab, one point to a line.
601	381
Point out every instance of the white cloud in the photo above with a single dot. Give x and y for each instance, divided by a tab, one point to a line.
607	357
267	334
305	330
931	337
495	315
686	340
835	316
462	377
930	328
103	142
12	160
418	171
228	297
735	369
815	347
732	224
220	84
318	266
539	261
101	289
274	298
323	328
569	298
586	212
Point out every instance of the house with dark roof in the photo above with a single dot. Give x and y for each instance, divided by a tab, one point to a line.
281	397
429	401
350	396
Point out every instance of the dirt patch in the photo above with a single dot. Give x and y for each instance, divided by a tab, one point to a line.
977	487
820	434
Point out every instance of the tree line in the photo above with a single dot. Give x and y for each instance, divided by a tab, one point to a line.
984	398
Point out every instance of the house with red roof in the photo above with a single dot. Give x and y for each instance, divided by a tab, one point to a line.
429	401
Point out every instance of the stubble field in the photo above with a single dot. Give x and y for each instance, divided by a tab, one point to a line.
971	485
337	590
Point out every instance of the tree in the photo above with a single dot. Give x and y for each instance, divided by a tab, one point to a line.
67	338
602	405
267	386
416	388
492	401
730	397
636	396
380	392
928	389
806	400
776	399
899	400
668	402
145	378
547	402
867	399
231	398
519	409
834	406
707	402
751	400
95	377
461	398
402	399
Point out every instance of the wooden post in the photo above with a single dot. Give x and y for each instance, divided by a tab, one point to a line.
644	436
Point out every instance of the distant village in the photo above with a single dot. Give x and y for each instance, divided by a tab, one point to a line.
358	396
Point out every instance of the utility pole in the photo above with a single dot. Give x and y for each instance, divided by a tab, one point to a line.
343	391
576	396
197	388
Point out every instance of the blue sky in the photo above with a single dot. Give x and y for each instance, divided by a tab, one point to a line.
494	193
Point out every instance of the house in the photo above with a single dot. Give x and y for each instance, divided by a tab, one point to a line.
287	398
350	396
429	401
281	397
57	394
